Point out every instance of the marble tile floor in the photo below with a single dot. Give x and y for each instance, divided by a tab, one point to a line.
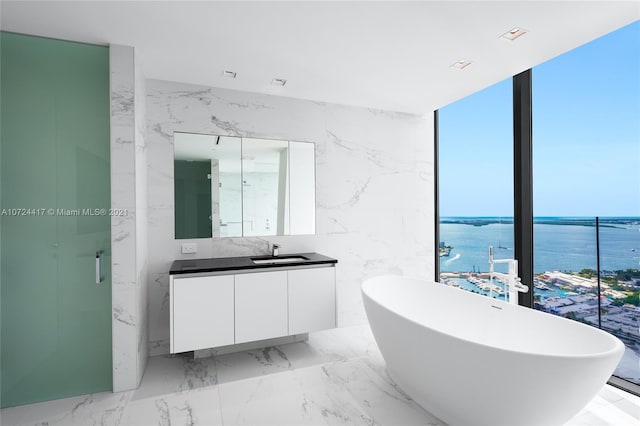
337	377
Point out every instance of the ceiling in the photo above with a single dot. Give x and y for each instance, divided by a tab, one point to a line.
392	55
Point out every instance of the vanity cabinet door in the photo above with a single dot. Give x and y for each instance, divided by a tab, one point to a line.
312	299
201	312
261	306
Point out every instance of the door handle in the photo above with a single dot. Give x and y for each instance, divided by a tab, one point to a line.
99	276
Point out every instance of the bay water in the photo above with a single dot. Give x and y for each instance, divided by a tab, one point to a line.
558	246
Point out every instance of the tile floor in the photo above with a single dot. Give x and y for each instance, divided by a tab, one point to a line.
337	377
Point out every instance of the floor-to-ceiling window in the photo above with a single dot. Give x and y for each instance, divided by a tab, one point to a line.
586	165
476	187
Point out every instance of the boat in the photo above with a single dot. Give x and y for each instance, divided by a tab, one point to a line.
541	286
451	283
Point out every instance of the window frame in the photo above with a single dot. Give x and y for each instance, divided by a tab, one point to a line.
522	196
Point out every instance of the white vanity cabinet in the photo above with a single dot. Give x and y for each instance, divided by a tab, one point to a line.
261	306
223	302
202	312
312	299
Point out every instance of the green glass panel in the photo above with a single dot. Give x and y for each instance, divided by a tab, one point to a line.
192	189
54	143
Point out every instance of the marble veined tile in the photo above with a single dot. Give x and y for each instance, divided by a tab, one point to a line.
333	345
176	374
352	393
355	342
252	363
103	409
358	339
340	393
193	408
319	349
276	399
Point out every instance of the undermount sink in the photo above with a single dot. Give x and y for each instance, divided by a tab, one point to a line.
277	259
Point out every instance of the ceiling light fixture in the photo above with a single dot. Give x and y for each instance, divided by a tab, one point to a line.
461	64
230	74
514	33
278	82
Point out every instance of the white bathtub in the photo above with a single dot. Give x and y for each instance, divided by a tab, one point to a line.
472	360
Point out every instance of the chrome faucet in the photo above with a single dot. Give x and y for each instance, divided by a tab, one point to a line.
511	279
274	250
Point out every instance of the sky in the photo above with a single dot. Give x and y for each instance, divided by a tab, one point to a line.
586	137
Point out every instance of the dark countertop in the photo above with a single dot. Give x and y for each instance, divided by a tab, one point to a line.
216	264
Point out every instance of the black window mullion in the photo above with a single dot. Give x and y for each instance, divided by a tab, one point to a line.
436	184
523	182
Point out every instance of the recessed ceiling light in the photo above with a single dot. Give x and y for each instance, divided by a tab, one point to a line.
278	81
461	64
514	33
230	74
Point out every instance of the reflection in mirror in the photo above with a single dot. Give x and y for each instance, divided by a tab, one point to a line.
228	186
265	189
207	186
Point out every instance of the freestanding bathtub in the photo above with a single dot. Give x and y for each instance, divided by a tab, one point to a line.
472	360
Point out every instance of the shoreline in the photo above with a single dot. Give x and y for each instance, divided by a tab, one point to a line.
605	222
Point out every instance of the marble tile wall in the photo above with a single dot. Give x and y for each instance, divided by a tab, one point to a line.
124	292
142	264
374	187
128	241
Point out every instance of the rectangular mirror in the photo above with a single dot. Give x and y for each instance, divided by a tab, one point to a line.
227	186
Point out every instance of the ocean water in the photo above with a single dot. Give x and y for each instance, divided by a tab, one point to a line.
557	246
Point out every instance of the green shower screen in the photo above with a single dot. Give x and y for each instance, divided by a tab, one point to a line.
54	199
192	189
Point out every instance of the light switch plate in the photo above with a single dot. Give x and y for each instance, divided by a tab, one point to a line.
189	248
